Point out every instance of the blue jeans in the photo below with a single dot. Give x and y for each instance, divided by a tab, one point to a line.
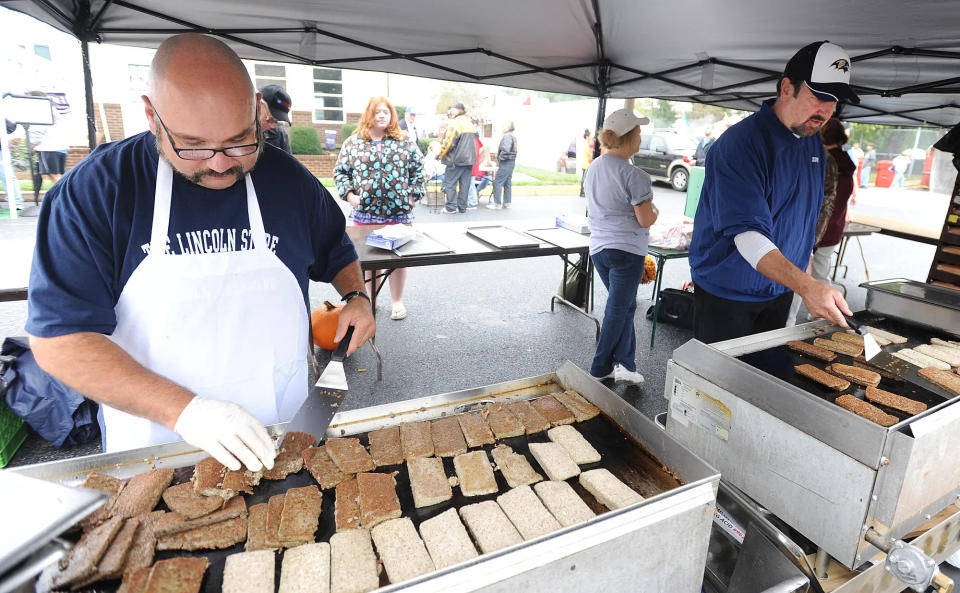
503	181
477	186
897	179
620	272
457	200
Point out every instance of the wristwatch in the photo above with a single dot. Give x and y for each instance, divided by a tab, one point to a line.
354	294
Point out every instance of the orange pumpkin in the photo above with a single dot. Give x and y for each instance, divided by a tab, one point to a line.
324	320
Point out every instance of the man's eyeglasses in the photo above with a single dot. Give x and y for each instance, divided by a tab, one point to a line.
202	154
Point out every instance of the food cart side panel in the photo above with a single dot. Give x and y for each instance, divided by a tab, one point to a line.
818	490
661	546
931	475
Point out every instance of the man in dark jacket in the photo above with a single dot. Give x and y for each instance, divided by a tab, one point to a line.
506	160
278	111
459	154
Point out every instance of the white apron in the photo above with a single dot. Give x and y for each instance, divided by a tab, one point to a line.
230	326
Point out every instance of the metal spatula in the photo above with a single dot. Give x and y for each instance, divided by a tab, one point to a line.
325	396
870	346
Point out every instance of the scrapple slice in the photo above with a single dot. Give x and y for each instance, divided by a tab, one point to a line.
257	528
839	347
502	422
608	490
300	515
447	539
945	379
490	527
385	447
811	350
822	377
532	420
353	565
103	483
577	447
448	439
920	359
866	410
346	508
177	575
885	335
249	572
378	498
475	473
349	455
322	468
306	569
208	476
142	493
416	439
211	537
554	460
563	502
527	513
475	430
951	356
144	544
289	459
853	338
136	580
401	550
183	500
581	409
553	410
428	482
81	563
241	480
515	468
274	512
171	523
111	563
892	400
860	376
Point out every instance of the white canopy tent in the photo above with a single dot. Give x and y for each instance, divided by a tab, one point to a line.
905	55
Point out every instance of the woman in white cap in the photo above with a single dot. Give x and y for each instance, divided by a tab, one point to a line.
620	208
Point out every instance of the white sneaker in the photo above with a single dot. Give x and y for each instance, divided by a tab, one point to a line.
608	376
494	207
622	375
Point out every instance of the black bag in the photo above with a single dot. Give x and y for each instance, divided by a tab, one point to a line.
574	286
676	308
57	413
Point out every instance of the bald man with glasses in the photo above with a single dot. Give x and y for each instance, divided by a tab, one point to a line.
171	271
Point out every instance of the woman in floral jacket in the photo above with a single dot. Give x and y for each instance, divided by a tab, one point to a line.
380	173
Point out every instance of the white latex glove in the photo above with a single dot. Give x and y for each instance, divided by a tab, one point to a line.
227	432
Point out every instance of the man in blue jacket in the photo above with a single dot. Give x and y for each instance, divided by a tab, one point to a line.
754	229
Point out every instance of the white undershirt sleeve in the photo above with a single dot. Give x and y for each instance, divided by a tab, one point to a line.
753	245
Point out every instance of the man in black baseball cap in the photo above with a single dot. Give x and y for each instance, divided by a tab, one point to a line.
278	104
754	229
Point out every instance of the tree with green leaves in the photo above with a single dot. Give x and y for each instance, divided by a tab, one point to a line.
663	114
456	92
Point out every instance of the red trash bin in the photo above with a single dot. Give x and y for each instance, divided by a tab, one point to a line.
884	174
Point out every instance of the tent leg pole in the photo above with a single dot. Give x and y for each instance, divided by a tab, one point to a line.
88	95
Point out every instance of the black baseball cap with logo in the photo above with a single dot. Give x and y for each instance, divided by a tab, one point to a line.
825	69
278	101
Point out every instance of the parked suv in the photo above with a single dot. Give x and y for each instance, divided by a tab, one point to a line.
667	156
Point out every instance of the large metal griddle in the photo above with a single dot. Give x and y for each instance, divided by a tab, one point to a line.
828	474
632	448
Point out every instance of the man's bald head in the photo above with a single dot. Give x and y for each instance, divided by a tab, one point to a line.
203	94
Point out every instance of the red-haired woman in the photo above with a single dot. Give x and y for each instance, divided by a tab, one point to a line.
380	173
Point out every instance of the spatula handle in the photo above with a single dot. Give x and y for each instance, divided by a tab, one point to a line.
853	323
341	351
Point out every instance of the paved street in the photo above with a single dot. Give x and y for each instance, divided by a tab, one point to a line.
482	323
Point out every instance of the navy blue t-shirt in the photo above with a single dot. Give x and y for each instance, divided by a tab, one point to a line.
759	177
94	230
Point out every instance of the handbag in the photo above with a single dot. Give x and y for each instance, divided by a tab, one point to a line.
676	308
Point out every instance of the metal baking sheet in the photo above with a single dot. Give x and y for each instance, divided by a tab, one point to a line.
917	291
561	237
423	244
502	237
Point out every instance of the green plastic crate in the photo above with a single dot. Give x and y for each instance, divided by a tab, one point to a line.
13	431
